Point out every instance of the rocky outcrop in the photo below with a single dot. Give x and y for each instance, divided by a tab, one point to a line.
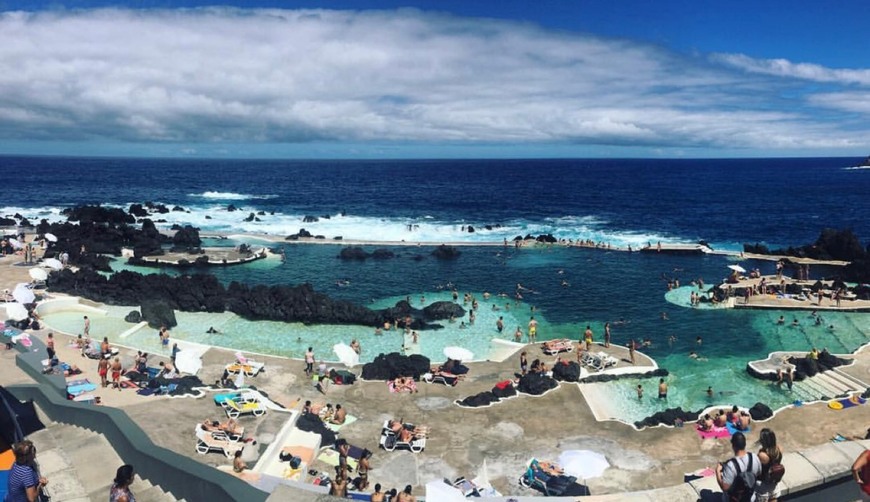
157	314
134	317
185	238
566	371
536	384
606	377
670	416
443	310
760	411
358	253
445	252
98	214
393	365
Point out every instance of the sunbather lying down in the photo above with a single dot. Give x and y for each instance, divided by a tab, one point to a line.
548	468
230	426
407	432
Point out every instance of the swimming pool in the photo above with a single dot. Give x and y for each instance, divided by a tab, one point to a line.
293	339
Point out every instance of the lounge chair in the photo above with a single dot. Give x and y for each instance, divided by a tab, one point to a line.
236	408
607	360
251	368
441	377
207	441
390	440
550	481
553	347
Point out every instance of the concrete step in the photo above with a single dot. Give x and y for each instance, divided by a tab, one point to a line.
91	454
837	387
849	379
809	392
817	389
153	494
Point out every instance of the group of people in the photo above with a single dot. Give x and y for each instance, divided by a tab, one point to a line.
740	420
752	476
25	484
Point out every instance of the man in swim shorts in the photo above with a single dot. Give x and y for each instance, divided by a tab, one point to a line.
663	389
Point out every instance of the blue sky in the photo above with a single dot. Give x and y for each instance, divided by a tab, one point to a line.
337	79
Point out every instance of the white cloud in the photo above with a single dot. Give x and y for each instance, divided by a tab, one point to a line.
803	71
226	75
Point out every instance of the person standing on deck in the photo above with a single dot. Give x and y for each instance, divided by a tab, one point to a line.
533	329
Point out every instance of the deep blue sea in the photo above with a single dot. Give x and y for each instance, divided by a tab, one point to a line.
780	202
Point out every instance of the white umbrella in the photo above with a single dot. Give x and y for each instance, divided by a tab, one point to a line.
240	378
583	464
458	353
346	354
23	294
38	274
16	311
442	492
53	263
50	237
188	361
737	268
15	243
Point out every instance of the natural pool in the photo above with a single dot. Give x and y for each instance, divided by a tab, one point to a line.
569	288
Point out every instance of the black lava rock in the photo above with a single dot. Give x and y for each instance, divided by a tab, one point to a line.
445	252
134	316
157	314
668	417
536	384
760	411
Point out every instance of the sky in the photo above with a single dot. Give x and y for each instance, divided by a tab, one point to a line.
435	79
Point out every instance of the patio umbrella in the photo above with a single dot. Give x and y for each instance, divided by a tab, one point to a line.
52	263
584	464
38	274
16	311
50	237
458	353
737	268
23	294
188	361
240	378
441	491
346	354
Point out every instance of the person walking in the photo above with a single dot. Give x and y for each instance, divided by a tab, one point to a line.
120	490
309	361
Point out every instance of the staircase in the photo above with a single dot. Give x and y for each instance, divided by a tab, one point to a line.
827	385
80	466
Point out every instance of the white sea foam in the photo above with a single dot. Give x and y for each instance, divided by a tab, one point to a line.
213	217
230	196
856	168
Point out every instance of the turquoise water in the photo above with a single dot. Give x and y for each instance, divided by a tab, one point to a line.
570	288
292	339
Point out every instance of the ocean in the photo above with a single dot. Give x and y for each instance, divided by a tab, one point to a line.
779	202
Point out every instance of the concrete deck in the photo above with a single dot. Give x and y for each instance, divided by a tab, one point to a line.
216	257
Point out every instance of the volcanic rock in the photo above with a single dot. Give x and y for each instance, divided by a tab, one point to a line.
158	314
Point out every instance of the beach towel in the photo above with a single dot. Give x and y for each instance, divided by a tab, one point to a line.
75	390
715	433
347	421
732	429
330	458
848	402
705	472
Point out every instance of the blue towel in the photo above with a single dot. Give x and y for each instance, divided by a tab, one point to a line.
732	429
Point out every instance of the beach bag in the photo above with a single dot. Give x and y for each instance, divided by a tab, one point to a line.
774	474
743	487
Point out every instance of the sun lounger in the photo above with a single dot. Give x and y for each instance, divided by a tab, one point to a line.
236	408
390	440
553	347
207	441
441	377
251	368
551	482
